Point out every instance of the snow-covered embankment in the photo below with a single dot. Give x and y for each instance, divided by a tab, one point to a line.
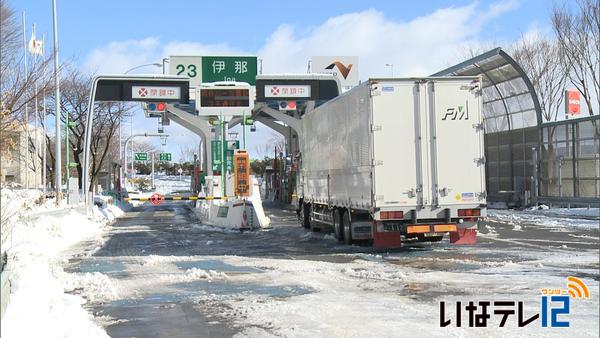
35	235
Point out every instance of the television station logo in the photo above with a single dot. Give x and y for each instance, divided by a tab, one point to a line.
555	306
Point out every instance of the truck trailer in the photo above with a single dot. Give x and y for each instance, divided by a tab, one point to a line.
394	160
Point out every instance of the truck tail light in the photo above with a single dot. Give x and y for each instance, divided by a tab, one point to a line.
469	212
391	215
470	215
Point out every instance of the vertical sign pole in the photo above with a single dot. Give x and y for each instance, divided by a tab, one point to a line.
27	154
244	130
121	147
36	119
68	168
57	149
44	144
152	169
131	133
223	154
566	104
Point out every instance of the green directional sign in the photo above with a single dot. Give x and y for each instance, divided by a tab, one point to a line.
141	156
229	68
216	154
164	156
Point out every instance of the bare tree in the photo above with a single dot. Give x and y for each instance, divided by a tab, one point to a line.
143	146
186	153
578	37
541	60
74	100
16	90
267	149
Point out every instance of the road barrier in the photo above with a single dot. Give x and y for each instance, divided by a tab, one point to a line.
177	198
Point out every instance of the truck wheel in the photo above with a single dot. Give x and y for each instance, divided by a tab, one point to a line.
337	225
305	215
347	226
313	224
299	212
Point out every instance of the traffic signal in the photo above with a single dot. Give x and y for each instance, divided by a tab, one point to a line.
287	105
156	106
248	121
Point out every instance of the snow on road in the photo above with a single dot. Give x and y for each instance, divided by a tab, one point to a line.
379	299
369	296
37	235
357	294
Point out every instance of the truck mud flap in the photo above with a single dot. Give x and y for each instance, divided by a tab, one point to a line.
463	236
386	240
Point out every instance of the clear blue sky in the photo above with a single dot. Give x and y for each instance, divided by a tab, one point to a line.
84	25
418	37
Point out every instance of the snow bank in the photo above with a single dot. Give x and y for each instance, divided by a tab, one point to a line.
40	232
110	212
566	212
192	275
15	203
579	217
93	286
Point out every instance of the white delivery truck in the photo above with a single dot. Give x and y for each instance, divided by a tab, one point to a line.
395	159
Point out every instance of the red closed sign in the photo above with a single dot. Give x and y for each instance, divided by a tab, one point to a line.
573	104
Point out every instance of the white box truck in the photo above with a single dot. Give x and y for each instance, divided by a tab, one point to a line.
395	159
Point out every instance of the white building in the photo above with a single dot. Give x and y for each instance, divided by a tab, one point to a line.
21	162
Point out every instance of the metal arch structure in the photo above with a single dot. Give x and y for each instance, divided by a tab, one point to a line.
512	124
480	65
114	88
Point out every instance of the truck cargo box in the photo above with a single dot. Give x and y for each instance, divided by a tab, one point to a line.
412	145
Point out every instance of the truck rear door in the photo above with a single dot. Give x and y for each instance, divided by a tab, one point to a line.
395	168
455	142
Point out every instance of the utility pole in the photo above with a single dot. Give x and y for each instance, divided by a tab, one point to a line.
57	163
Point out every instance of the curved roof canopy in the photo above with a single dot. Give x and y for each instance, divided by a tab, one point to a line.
509	99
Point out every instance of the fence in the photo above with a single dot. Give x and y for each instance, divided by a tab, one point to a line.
570	160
